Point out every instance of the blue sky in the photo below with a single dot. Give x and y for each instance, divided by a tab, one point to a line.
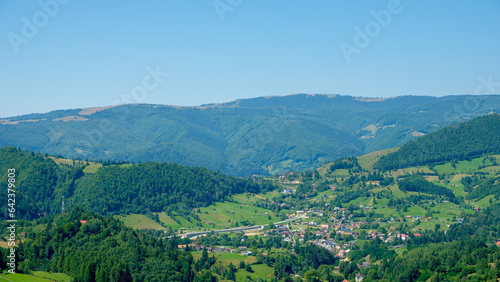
73	54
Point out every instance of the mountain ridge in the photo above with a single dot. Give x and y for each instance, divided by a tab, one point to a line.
262	135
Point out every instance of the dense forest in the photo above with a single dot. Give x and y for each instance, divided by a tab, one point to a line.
38	181
461	141
153	187
114	189
90	247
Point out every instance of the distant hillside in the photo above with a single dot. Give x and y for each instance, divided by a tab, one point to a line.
244	137
459	141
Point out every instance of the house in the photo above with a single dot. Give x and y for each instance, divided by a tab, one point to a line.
460	220
497	243
344	231
417	217
403	236
324	196
288	191
246	253
242	248
359	277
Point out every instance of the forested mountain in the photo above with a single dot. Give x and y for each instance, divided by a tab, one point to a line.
153	187
459	141
38	181
244	137
114	189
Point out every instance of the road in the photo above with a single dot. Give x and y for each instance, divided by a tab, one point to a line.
193	234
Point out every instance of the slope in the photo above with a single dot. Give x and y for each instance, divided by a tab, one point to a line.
459	141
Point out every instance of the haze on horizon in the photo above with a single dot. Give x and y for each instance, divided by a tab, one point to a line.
59	54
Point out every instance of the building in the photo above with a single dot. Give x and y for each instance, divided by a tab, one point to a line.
344	231
403	236
359	277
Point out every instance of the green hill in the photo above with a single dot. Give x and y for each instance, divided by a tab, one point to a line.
114	189
461	141
250	136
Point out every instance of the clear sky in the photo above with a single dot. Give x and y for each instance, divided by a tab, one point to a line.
73	54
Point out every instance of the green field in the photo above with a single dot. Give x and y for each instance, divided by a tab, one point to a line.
483	202
448	210
59	277
328	192
22	278
444	168
396	192
415	210
259	270
464	166
216	216
248	198
361	200
92	168
387	212
492	170
382	202
167	220
456	186
367	161
224	214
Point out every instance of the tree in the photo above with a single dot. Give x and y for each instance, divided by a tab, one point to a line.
248	268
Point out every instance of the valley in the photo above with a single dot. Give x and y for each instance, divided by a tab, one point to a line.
345	219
